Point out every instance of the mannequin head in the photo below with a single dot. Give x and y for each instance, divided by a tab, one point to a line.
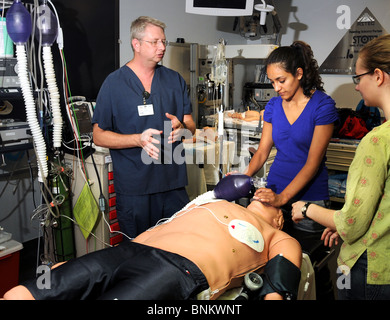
272	215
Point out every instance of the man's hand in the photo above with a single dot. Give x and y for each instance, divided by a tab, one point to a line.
177	128
148	142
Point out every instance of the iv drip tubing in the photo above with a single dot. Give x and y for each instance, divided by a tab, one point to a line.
31	112
219	75
54	95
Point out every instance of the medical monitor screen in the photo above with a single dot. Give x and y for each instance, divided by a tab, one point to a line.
220	7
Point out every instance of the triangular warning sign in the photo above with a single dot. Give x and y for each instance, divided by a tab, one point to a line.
342	59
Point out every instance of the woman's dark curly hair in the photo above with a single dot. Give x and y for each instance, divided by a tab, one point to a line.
299	55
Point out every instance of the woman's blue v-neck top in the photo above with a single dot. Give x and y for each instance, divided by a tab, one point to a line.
293	141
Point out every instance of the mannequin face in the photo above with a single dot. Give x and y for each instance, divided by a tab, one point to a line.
272	215
284	83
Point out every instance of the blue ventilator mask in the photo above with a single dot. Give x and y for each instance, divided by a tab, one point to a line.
229	188
233	187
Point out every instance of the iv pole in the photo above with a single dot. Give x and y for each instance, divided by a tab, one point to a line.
219	75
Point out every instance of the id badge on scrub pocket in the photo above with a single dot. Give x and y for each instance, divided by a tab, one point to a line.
145	110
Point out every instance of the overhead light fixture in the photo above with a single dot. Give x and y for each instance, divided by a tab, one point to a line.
264	9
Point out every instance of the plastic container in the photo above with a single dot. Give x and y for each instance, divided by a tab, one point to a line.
4	236
18	21
6	44
9	265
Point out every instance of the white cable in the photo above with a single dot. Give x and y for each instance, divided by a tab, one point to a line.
91	233
113	231
54	95
60	36
31	112
197	202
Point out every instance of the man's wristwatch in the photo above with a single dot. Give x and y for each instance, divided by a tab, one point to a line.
304	209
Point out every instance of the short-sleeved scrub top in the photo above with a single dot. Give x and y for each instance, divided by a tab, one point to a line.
121	107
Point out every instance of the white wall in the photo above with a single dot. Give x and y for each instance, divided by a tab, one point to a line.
318	19
193	28
313	21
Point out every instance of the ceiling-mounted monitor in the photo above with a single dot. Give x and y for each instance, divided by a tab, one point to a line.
233	8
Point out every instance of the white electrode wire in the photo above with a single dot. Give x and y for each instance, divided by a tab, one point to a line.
31	112
60	37
54	95
73	125
184	211
78	150
40	86
113	231
31	43
91	233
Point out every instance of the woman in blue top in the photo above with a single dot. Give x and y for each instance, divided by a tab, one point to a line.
299	122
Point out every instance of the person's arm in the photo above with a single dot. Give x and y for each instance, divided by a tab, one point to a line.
365	188
263	151
273	296
315	212
367	175
291	250
318	147
18	293
113	140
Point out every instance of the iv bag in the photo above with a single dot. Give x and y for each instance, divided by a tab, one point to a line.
219	67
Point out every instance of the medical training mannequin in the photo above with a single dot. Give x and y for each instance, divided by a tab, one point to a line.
364	221
200	250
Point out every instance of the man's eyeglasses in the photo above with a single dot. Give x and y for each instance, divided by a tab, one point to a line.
356	79
156	43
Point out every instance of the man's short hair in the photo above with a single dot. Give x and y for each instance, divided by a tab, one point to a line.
138	26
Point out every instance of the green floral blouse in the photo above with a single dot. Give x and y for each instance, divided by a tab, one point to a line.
364	221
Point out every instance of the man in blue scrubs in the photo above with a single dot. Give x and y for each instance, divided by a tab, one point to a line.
142	112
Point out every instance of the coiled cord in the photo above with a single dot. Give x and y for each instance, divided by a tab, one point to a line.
54	95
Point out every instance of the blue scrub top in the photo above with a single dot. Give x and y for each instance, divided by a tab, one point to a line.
117	110
293	143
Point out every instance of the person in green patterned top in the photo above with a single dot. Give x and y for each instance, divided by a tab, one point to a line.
364	221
